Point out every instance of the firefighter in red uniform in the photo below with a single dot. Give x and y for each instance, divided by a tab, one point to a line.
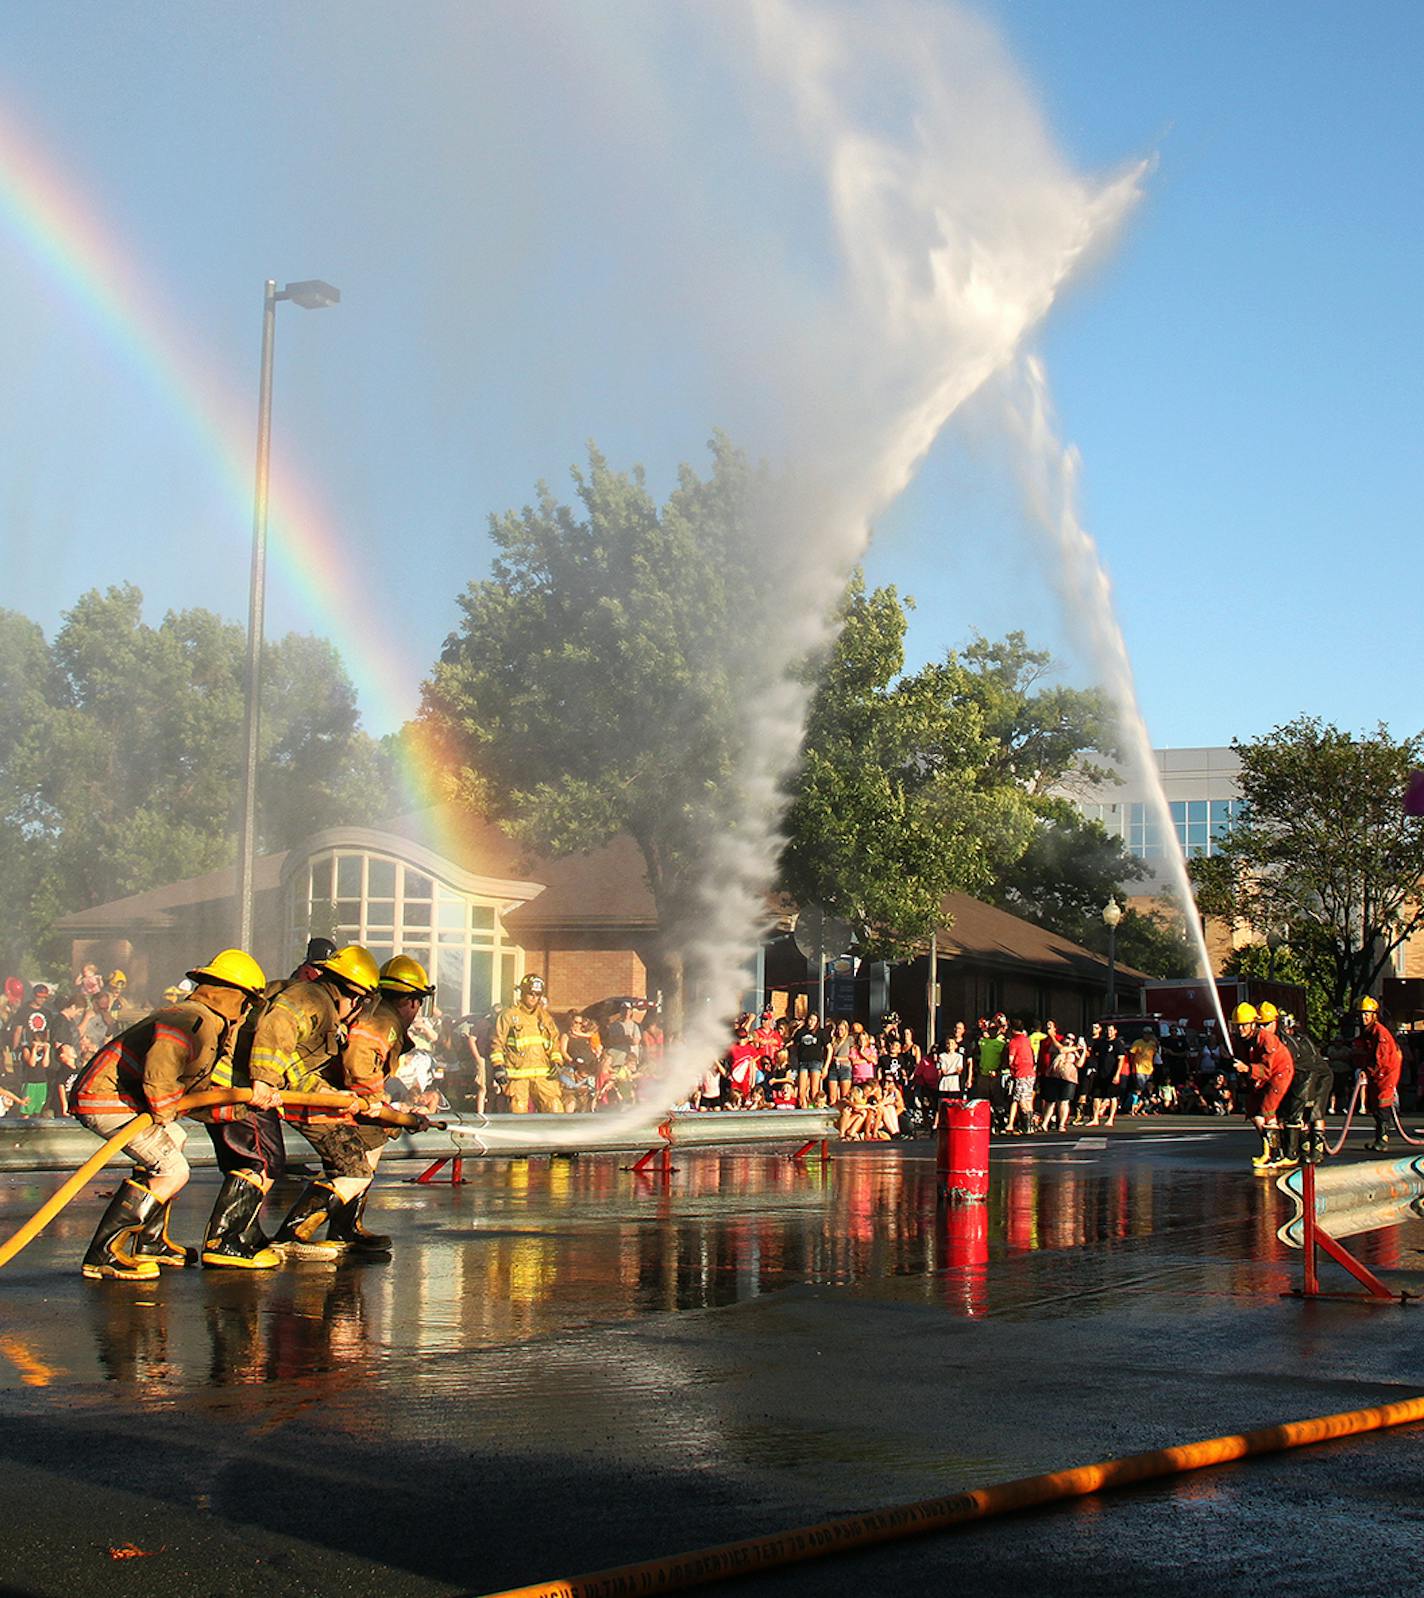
1261	1052
1377	1056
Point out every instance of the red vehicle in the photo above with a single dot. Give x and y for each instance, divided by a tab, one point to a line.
1188	999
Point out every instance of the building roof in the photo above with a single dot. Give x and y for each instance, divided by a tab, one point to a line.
981	931
605	888
159	907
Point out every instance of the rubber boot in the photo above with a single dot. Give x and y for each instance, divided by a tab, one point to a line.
1381	1142
296	1236
348	1229
1291	1156
152	1242
232	1237
1265	1161
111	1256
1314	1151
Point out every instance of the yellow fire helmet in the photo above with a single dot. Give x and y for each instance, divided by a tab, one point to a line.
1369	1006
354	966
1244	1015
116	977
234	968
406	978
1267	1013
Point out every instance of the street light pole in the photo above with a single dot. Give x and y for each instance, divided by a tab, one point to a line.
311	295
1112	914
932	996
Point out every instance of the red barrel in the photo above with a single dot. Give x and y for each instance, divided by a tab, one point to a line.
962	1155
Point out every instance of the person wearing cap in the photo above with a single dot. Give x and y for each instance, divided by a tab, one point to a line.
375	1041
526	1053
146	1070
285	1043
1377	1056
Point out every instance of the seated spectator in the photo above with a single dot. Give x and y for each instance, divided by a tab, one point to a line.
892	1108
710	1095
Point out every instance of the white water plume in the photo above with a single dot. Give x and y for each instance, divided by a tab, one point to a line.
1049	472
955	223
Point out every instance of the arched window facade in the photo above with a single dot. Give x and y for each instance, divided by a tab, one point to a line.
392	906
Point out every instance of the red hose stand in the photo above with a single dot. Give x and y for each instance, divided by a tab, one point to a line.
661	1152
1315	1236
825	1146
457	1171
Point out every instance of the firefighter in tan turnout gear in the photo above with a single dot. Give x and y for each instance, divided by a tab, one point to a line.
375	1041
525	1052
287	1044
147	1069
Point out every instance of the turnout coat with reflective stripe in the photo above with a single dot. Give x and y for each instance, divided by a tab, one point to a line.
375	1041
152	1064
526	1042
291	1041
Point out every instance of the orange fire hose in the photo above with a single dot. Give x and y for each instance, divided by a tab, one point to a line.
191	1101
938	1514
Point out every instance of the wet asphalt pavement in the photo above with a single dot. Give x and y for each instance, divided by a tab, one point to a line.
564	1367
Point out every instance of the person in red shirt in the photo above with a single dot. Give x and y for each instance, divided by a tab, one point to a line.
1377	1055
744	1062
768	1038
1272	1070
1022	1072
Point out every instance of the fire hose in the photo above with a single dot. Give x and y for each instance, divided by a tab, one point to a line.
140	1123
896	1521
1356	1099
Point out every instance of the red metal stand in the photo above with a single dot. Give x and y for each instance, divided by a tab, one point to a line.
1315	1236
663	1154
806	1148
457	1171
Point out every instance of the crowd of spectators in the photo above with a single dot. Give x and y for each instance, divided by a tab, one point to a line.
48	1032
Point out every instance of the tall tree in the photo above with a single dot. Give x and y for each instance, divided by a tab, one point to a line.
1324	849
902	794
120	749
593	686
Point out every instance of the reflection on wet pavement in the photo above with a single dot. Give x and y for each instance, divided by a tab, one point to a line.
529	1247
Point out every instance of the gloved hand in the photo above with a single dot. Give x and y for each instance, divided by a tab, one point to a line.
265	1096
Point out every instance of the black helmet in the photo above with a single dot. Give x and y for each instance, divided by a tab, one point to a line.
531	984
318	949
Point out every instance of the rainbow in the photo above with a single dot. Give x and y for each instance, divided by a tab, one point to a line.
62	229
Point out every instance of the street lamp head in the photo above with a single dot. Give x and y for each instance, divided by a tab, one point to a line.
311	295
1112	913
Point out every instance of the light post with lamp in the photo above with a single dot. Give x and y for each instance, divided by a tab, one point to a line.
311	295
1112	914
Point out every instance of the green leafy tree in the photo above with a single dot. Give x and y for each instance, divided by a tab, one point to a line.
120	752
901	796
1324	849
597	679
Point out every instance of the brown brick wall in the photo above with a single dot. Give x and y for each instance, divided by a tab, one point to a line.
579	976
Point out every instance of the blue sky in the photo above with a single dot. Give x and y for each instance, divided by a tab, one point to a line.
542	218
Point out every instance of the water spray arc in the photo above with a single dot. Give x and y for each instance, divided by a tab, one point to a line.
1049	471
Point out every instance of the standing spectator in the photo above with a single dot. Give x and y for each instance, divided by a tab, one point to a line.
11	998
1055	1088
584	1061
37	1038
812	1049
1022	1072
1142	1065
1108	1061
622	1044
910	1051
1063	1074
923	1092
838	1066
744	1063
953	1066
864	1056
993	1062
654	1047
